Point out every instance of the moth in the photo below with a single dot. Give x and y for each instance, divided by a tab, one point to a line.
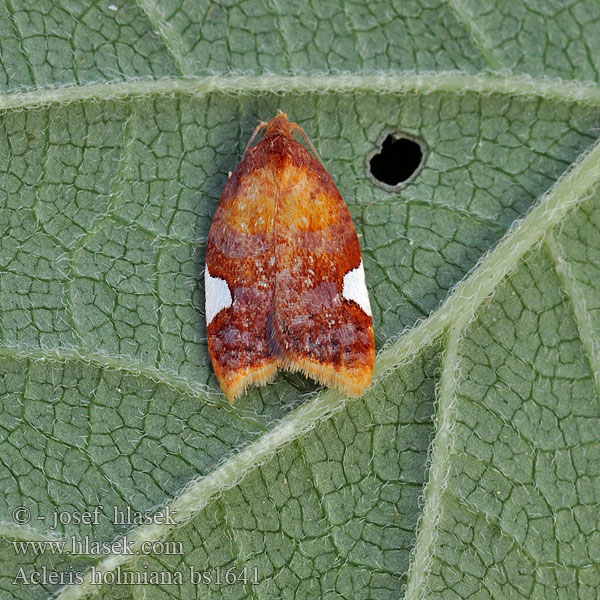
284	278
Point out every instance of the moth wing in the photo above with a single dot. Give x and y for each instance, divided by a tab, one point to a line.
240	279
322	321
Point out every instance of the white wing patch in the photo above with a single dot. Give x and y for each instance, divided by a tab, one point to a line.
217	294
356	289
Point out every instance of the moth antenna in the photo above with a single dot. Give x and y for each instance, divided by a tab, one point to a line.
256	130
314	150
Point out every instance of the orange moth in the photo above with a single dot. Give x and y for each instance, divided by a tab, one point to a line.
284	279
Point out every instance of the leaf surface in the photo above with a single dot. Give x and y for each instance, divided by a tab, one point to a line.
471	467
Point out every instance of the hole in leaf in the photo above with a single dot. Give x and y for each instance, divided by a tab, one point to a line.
397	161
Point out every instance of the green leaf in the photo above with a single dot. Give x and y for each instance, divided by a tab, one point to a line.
471	468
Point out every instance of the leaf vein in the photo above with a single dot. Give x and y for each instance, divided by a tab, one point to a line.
170	37
385	82
576	298
466	18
